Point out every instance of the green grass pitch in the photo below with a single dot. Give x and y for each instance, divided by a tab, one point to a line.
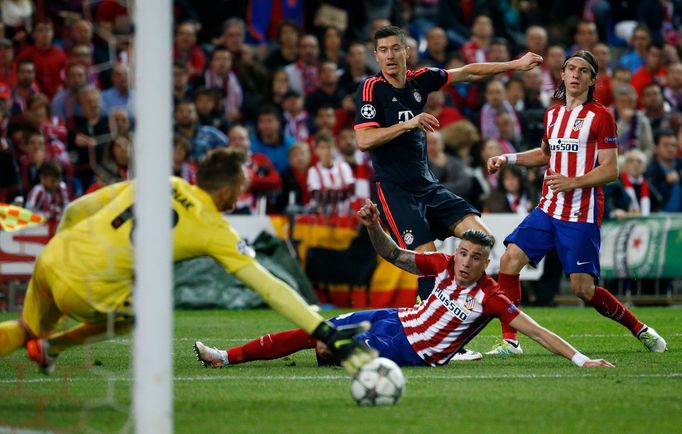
534	393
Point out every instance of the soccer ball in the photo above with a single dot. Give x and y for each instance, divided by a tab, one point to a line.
379	382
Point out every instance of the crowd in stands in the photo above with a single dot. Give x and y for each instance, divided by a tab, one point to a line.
277	79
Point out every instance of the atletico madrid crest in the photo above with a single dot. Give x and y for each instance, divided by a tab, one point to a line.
578	124
470	302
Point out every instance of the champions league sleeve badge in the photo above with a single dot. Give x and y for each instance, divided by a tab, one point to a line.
368	111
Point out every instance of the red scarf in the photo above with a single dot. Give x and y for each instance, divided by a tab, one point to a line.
643	205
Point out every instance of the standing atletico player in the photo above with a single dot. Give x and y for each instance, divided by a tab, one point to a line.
390	124
580	148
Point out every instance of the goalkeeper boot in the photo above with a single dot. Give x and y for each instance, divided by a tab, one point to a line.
506	348
210	357
38	351
652	340
464	355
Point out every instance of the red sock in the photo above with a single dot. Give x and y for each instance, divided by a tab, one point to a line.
510	284
271	346
609	306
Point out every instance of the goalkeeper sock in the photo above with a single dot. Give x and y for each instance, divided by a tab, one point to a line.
510	284
271	346
425	286
12	337
609	306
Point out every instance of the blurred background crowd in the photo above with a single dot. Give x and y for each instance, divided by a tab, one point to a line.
277	78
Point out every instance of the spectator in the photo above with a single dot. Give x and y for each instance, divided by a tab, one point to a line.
16	18
412	59
303	73
65	104
286	51
585	37
295	116
331	47
119	122
119	94
631	194
330	181
507	138
269	138
182	166
640	41
325	122
356	69
552	67
82	34
87	136
499	52
476	49
512	195
448	170
496	101
277	88
203	138
602	92
634	129
7	72
435	105
328	92
82	54
459	138
665	172
436	54
621	77
294	193
486	181
181	88
206	104
656	109
115	164
360	164
25	85
49	198
263	179
535	98
653	70
673	89
536	40
37	115
48	59
516	93
186	50
31	156
219	75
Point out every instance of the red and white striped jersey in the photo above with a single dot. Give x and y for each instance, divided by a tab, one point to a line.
451	316
574	138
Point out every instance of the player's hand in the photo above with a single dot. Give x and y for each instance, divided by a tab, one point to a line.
559	183
528	61
369	213
341	343
495	163
425	121
598	363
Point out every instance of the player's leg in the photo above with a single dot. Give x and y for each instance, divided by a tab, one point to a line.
404	216
578	245
527	244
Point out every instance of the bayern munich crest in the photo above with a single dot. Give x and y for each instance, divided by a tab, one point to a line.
368	111
417	96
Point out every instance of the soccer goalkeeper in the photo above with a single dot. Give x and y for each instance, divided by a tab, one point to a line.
86	270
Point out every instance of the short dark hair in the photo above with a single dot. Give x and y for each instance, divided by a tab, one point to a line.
479	237
664	132
387	31
219	168
324	137
50	168
269	109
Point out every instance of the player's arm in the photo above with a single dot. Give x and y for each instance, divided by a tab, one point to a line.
531	158
554	343
289	304
372	137
477	71
89	204
383	244
605	172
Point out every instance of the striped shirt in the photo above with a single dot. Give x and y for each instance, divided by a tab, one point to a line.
452	315
574	138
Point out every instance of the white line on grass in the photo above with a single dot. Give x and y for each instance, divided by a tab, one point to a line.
247	377
14	430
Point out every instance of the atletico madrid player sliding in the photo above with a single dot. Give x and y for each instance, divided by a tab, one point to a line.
580	151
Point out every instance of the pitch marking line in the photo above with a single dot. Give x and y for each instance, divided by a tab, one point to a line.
340	378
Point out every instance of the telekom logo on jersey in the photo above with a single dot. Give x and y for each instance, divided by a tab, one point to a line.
404	116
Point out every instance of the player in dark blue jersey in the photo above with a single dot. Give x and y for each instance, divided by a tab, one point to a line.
391	125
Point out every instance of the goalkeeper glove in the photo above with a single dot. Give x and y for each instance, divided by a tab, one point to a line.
341	344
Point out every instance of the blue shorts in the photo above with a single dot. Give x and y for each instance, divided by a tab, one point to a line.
387	335
414	219
576	243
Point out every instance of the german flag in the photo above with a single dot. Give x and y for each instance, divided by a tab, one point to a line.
14	218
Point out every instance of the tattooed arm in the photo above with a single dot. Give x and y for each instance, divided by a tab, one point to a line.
383	244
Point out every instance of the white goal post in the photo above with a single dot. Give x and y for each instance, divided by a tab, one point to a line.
152	350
